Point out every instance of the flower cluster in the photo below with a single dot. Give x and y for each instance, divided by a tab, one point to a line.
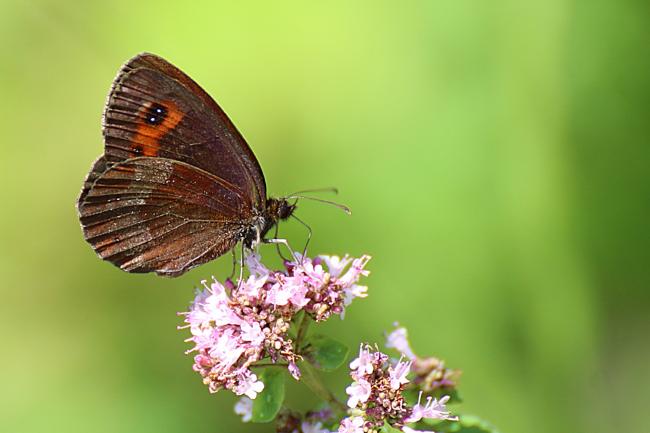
376	397
311	422
289	421
322	291
430	373
235	326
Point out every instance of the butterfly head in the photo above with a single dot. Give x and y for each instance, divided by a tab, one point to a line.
279	209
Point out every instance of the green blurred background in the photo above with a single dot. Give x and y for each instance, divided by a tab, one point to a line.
495	155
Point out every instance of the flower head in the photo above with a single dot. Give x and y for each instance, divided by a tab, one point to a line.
376	393
249	385
327	292
234	326
244	407
363	363
398	340
397	374
359	392
430	373
353	424
376	387
433	409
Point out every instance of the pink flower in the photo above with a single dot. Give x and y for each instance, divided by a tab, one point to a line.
430	373
299	296
354	291
363	364
407	429
255	266
244	407
398	340
433	409
252	332
336	265
329	291
352	424
355	271
227	348
313	427
398	374
279	295
229	335
359	392
313	274
234	326
294	370
251	288
376	392
250	386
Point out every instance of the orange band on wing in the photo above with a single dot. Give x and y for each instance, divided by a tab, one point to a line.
146	140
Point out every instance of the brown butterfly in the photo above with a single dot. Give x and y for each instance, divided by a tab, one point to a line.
177	185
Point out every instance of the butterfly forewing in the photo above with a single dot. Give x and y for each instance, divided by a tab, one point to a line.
150	113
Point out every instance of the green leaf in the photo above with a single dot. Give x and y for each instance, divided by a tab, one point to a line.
268	402
325	353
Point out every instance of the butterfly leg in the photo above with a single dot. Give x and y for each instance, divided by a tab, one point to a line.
286	244
277	246
304	251
234	264
241	266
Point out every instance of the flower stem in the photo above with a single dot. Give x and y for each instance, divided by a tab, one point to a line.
312	380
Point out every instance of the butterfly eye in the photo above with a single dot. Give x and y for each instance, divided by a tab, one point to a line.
156	114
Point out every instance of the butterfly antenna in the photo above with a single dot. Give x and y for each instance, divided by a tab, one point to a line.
328	189
338	205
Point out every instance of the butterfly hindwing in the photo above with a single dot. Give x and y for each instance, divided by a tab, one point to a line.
154	214
98	167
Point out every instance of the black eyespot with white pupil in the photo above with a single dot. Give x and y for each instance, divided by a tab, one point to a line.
156	114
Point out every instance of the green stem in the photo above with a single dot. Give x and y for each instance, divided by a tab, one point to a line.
312	380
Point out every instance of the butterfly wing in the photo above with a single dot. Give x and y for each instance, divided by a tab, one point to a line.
156	214
154	109
156	112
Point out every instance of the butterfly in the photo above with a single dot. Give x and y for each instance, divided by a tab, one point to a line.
177	185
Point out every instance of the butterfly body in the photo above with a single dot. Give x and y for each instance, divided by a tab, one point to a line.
177	185
276	210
